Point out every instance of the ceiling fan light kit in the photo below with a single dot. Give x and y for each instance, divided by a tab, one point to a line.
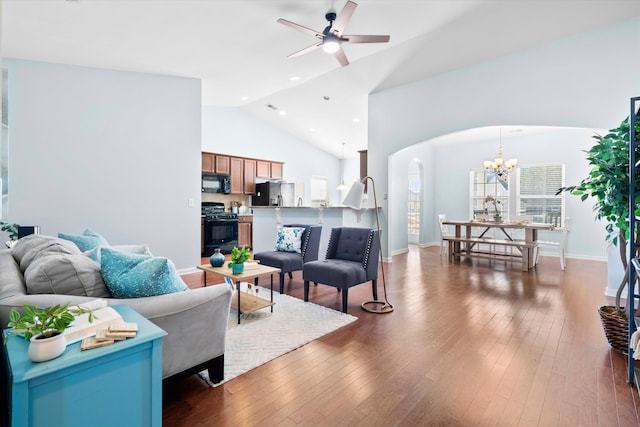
332	38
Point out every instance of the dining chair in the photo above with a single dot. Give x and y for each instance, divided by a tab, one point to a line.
444	232
560	244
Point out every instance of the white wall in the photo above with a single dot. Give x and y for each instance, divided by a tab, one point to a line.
583	81
231	131
114	151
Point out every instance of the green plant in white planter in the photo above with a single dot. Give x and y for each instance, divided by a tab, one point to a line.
44	328
10	228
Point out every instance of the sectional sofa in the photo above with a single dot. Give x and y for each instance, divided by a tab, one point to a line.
46	270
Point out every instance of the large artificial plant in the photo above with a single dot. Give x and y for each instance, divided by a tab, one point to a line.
608	184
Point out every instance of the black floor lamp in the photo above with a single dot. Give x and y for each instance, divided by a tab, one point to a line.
353	199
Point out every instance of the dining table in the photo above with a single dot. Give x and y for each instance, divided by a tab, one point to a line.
490	239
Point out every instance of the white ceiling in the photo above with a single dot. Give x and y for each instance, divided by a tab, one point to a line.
238	49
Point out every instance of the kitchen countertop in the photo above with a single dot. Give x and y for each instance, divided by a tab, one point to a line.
304	207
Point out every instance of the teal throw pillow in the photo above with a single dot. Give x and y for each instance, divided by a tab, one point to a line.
130	275
85	242
289	239
94	253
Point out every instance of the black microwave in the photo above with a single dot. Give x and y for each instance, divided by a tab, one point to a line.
212	183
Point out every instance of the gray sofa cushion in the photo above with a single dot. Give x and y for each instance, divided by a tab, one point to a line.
52	248
37	243
68	274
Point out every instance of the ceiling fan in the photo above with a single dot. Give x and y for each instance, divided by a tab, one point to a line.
331	38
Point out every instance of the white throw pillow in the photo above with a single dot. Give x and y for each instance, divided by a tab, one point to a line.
289	239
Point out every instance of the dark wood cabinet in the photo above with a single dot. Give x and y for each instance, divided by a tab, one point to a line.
245	231
242	171
223	165
208	163
236	166
263	169
363	166
249	185
276	170
269	170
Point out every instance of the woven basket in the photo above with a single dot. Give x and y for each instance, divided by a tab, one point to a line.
616	328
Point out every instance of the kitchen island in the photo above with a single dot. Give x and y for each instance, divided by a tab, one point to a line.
266	220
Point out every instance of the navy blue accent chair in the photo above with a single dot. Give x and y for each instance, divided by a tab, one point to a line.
352	258
289	262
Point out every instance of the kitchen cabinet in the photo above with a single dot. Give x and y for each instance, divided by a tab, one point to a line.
363	167
245	231
208	163
276	170
269	170
249	186
242	171
223	165
236	166
263	169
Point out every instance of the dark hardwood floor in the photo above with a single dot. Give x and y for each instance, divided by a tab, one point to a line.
467	345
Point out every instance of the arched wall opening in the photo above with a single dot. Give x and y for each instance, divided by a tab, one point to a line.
568	84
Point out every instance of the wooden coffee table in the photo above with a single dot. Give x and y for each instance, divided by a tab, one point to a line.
248	303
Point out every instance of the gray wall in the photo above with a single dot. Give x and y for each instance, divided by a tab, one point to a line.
113	151
583	81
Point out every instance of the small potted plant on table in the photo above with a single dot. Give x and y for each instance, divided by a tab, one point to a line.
44	329
237	259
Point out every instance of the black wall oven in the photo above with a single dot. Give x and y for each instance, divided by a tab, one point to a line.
220	228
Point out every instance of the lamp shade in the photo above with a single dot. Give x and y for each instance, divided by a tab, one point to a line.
353	199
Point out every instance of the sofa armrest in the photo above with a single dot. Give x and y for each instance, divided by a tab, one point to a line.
195	321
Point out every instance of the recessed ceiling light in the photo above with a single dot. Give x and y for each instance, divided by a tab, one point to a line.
294	78
312	129
356	120
283	113
244	98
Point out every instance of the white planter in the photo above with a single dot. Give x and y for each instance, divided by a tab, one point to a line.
43	349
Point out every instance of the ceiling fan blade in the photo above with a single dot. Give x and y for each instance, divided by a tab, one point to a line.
341	57
365	39
343	18
305	50
299	27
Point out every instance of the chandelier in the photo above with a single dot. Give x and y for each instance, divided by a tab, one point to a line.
499	165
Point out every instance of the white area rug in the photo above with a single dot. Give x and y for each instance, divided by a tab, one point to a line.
262	336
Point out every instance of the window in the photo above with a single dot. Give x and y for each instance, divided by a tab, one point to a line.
413	207
485	183
536	193
319	190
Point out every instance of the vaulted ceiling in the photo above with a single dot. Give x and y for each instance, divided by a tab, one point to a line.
240	52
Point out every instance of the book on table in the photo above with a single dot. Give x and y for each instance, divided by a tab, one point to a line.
103	316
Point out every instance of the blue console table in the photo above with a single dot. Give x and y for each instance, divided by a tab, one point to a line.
120	384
